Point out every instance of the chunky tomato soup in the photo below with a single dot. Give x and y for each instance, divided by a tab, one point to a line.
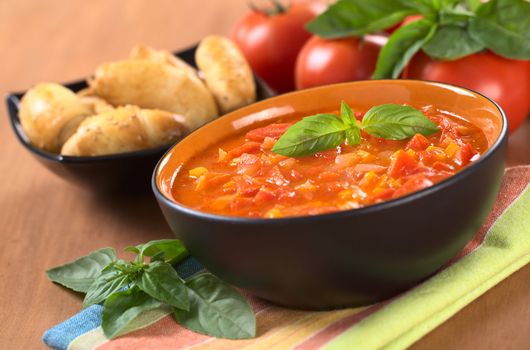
240	176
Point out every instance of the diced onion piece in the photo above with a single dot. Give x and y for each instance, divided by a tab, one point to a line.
268	142
364	168
197	172
222	155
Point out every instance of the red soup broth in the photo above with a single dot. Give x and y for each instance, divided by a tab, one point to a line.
240	176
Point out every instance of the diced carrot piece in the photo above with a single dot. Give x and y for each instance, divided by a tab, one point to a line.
273	131
418	143
210	180
369	181
364	156
380	194
451	149
402	164
197	172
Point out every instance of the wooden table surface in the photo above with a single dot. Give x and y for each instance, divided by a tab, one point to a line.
45	221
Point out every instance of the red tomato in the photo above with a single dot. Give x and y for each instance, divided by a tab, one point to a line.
271	43
505	81
324	61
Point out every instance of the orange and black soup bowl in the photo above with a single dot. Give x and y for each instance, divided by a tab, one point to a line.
350	257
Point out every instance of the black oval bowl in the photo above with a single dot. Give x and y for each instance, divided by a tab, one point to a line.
346	258
129	171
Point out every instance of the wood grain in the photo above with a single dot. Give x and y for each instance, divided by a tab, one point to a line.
45	221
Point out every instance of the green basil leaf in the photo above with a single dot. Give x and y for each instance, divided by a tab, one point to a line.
396	122
353	135
312	134
81	273
112	279
346	114
216	309
503	26
473	5
163	283
358	17
451	43
401	46
173	250
121	308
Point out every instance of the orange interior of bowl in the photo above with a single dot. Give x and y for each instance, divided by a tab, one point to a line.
363	95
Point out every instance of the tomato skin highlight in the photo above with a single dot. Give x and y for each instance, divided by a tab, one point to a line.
504	80
271	43
323	62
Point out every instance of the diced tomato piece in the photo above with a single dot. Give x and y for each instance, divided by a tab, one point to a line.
263	196
210	180
239	203
443	166
328	176
464	155
402	164
248	164
414	183
248	147
418	143
274	131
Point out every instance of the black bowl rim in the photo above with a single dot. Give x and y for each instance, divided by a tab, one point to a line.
350	212
13	97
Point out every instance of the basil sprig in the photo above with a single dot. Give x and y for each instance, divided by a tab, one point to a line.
321	132
449	29
202	303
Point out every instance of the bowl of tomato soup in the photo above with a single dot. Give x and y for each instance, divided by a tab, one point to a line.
348	220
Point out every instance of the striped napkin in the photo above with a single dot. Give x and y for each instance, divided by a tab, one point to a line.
501	247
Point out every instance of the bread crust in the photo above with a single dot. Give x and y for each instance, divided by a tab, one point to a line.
226	72
124	129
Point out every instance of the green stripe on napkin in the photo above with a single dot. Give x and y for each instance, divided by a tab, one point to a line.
505	249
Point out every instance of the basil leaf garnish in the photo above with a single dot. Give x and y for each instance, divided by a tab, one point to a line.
401	46
81	273
321	132
172	249
311	135
121	308
358	17
503	26
216	309
112	279
397	122
162	282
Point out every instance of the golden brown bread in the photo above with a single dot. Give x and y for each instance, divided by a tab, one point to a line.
50	113
144	52
151	84
226	72
124	129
